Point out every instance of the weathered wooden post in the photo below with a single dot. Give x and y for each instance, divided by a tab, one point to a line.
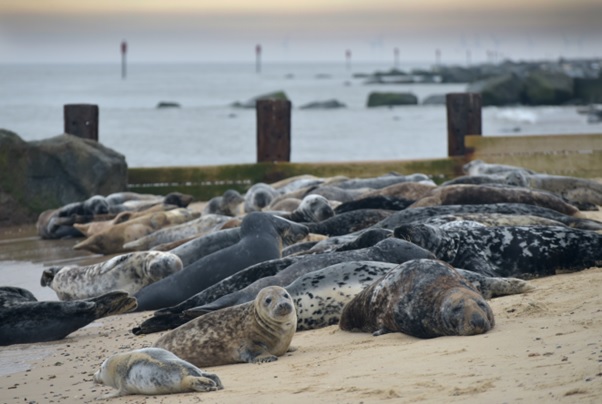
124	51
81	120
463	118
257	58
273	130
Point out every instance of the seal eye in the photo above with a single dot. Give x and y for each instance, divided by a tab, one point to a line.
268	300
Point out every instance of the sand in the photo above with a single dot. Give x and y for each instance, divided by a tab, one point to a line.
546	346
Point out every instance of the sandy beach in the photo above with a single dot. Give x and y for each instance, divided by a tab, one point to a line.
546	347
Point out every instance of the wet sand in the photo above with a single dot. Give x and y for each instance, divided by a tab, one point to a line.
546	347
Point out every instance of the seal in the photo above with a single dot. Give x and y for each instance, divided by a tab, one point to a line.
23	319
374	202
261	239
492	219
404	190
423	298
349	222
482	194
196	227
422	214
581	192
313	208
479	167
128	272
259	196
254	332
518	251
153	371
197	248
320	296
112	240
243	286
381	181
227	204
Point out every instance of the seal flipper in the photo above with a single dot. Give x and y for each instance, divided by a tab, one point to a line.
381	331
256	353
491	287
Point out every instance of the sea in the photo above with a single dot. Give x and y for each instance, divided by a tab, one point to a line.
208	130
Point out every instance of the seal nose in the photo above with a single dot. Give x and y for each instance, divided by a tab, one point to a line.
479	323
284	308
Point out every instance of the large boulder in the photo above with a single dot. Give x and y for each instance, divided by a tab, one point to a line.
505	89
50	173
377	99
542	87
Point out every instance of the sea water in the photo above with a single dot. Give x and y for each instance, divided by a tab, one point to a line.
207	130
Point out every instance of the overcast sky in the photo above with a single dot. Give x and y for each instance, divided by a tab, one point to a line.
297	30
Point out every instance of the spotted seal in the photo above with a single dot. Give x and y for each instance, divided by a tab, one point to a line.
421	214
519	251
261	239
23	319
423	298
481	194
259	196
254	332
381	181
152	371
493	219
313	208
127	272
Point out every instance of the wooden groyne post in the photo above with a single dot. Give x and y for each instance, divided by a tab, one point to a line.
463	118
81	120
273	130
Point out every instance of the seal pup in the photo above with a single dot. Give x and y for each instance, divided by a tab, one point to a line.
127	272
421	214
482	194
518	251
23	319
152	371
196	227
254	332
423	298
112	240
261	239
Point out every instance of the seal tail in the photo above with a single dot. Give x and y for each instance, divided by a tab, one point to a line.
113	303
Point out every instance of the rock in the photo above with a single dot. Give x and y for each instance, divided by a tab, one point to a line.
588	91
376	99
168	104
277	95
434	99
328	104
543	87
50	173
505	89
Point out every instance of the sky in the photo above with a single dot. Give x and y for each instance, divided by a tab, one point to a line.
174	31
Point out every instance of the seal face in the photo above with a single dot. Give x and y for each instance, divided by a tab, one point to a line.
128	272
23	319
423	298
153	371
521	251
253	332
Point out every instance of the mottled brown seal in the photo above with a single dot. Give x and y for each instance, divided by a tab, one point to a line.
151	371
423	298
253	332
